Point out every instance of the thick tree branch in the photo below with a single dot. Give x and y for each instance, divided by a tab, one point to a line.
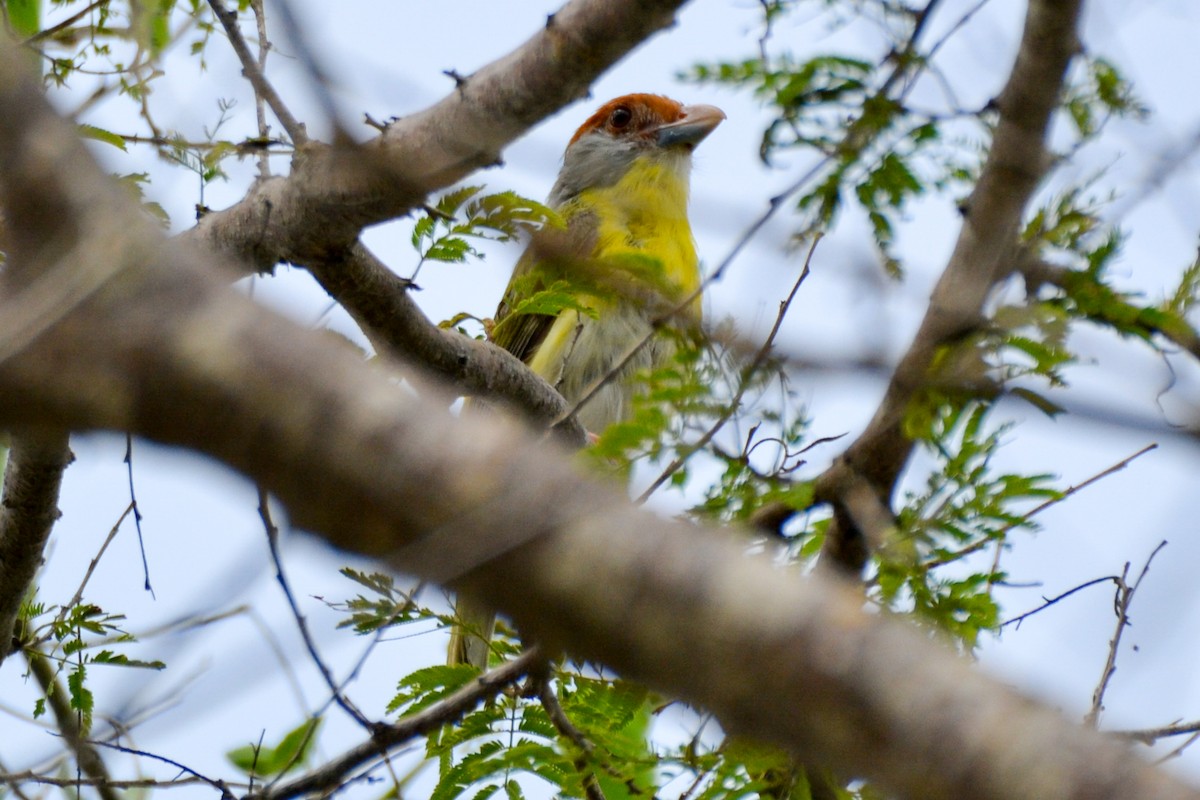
161	346
28	511
379	302
1015	166
332	194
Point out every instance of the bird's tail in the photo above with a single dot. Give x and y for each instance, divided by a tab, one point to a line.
471	638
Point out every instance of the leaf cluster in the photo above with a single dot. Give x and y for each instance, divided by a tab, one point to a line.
444	232
965	507
74	638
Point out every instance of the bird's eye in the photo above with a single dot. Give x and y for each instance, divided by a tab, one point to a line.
621	117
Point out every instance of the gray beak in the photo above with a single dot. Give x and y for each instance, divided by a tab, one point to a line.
697	122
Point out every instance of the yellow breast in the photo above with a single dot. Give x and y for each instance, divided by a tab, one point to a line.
643	216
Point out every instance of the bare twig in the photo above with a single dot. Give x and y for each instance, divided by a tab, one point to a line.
95	562
262	87
1178	751
137	515
260	113
53	30
217	784
14	779
1121	603
1017	620
264	512
748	372
1152	735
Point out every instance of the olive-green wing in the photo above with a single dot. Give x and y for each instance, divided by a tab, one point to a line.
547	259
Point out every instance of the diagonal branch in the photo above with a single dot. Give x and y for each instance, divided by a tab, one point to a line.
981	258
379	302
385	738
253	72
333	193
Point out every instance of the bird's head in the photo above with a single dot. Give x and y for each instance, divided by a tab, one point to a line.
624	131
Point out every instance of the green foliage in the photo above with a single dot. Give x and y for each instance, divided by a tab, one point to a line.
25	16
290	754
1102	94
423	688
850	113
135	183
74	638
663	396
101	135
1185	296
515	736
443	232
964	508
551	300
386	605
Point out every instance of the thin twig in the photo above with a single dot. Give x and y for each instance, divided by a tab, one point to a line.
262	87
748	372
1121	603
219	785
1051	601
87	576
1178	751
66	23
264	512
137	514
260	112
13	779
1152	735
1053	501
386	738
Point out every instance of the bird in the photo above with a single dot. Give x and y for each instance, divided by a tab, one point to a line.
622	264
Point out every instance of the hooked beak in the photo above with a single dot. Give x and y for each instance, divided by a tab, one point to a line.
697	122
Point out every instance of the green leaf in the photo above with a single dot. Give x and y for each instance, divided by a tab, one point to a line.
81	698
559	297
101	135
423	688
291	752
1038	401
25	16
